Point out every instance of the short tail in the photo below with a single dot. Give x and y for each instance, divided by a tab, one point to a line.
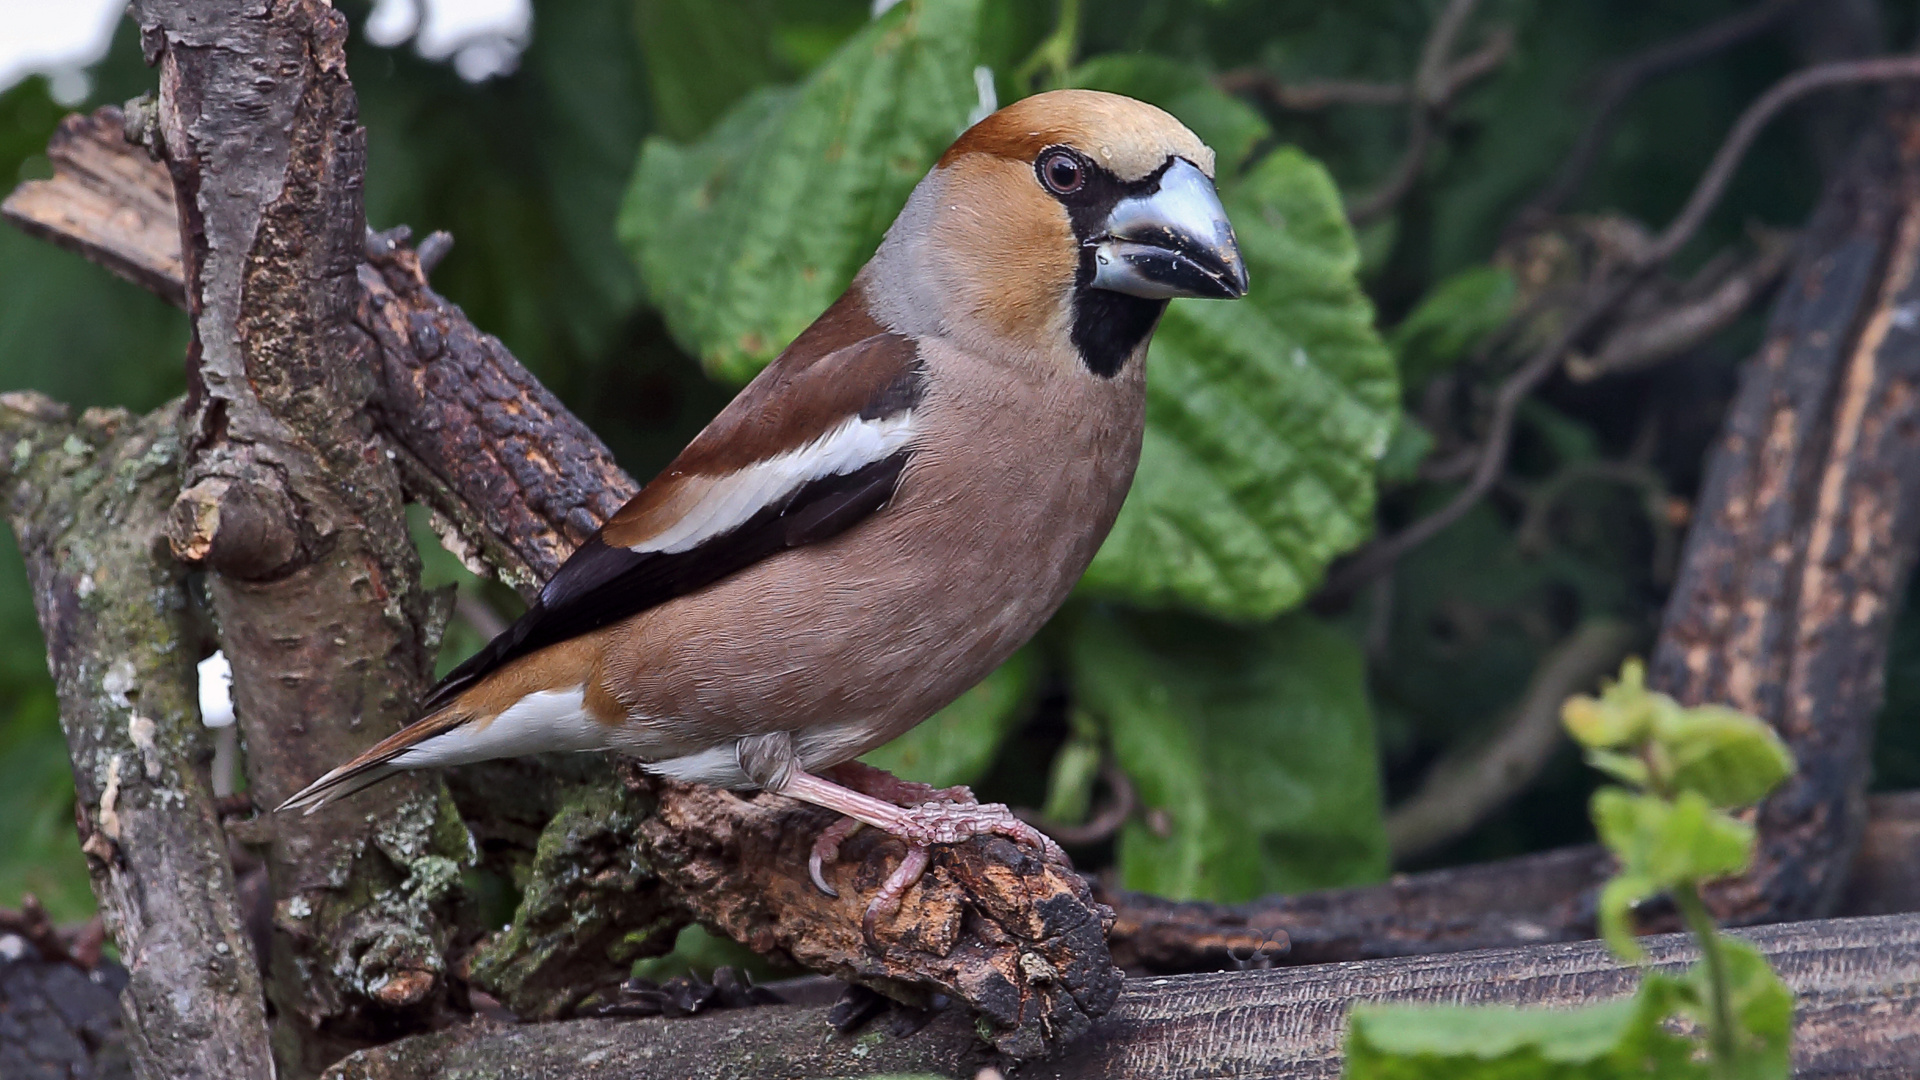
377	764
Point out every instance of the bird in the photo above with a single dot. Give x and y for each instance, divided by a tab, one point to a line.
895	504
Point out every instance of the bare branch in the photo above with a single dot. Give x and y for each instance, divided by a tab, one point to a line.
88	502
1310	96
107	202
1625	78
1435	83
1713	183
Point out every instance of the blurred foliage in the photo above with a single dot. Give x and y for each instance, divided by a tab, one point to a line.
664	191
1671	827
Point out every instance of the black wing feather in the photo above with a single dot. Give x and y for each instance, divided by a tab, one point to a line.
601	584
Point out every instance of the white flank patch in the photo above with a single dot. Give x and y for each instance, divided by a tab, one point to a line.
732	500
541	721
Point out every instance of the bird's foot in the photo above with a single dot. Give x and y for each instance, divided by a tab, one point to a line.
865	779
943	823
948	816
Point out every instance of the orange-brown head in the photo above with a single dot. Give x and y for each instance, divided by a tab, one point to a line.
1066	218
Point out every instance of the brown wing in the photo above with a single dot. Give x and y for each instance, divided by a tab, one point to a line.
792	408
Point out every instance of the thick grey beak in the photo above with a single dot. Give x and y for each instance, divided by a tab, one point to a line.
1174	242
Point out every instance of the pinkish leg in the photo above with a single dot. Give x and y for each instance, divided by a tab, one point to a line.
919	825
881	784
887	900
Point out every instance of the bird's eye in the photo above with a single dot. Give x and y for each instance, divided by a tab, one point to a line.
1062	173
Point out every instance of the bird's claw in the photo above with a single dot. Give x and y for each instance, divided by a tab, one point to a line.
826	848
920	827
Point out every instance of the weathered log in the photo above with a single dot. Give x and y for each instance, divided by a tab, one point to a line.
1808	524
297	511
1857	1014
88	501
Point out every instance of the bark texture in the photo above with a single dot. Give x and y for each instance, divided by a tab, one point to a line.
1810	517
88	501
294	506
1857	1014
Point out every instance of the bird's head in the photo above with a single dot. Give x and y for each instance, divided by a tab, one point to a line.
1069	217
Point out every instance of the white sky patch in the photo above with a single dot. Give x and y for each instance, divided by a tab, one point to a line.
483	37
62	38
58	39
216	691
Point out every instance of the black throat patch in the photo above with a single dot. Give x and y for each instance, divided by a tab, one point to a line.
1108	326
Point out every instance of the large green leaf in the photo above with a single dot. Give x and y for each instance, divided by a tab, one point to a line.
1265	416
958	743
1251	750
1614	1040
746	236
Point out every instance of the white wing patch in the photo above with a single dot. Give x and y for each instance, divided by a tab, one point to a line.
732	500
542	721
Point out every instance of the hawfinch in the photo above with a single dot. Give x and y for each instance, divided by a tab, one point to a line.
889	510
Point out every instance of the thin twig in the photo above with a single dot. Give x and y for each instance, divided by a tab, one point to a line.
1436	81
1459	791
1310	96
1102	824
1379	556
1785	92
1625	79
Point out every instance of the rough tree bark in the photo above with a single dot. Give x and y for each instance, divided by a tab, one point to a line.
1856	1014
290	503
87	501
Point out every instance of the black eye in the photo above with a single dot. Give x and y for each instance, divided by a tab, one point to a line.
1062	172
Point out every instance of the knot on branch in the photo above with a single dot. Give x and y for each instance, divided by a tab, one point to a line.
1017	937
241	526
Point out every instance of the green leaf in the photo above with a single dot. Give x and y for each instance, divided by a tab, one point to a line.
701	57
1617	1039
1762	1009
1625	768
1450	320
1251	750
1617	899
1070	781
1724	754
1406	450
1621	716
1228	125
746	236
958	743
1671	842
1266	417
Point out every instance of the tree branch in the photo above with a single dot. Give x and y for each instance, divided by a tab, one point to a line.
1857	1013
108	202
1624	79
298	515
88	504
